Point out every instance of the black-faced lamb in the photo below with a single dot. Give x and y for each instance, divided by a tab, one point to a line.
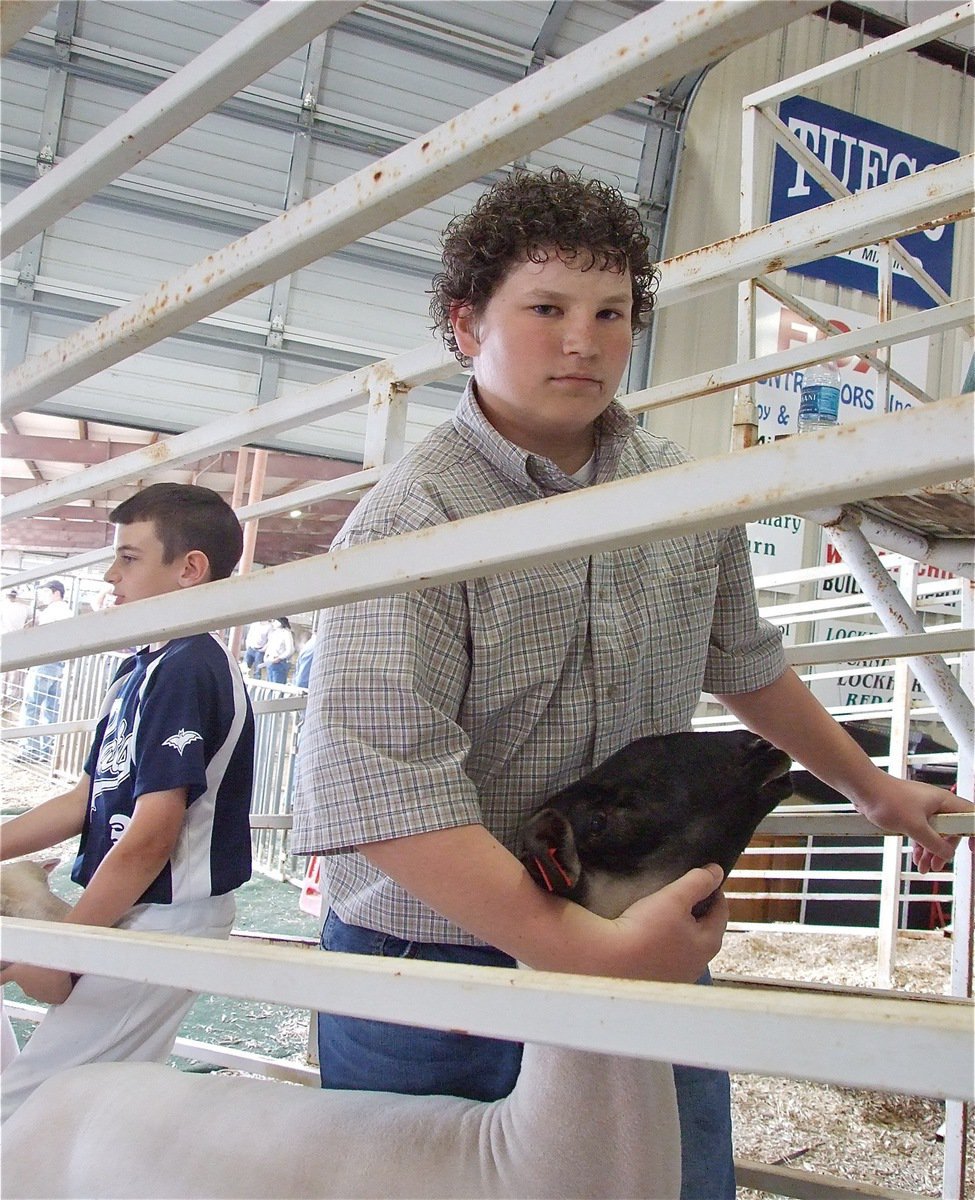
651	811
576	1124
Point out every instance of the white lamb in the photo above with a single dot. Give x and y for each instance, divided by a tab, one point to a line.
25	891
576	1124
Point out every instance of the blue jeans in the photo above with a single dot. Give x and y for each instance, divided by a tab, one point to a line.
42	705
276	672
707	1161
360	1055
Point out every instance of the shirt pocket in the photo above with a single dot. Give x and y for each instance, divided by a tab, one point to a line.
525	627
668	621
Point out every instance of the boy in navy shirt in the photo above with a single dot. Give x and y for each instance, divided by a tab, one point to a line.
162	806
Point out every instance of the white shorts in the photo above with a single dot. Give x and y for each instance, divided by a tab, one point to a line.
115	1020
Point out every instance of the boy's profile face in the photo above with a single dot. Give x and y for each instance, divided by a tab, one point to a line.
548	351
139	571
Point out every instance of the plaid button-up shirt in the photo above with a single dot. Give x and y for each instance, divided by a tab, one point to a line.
471	702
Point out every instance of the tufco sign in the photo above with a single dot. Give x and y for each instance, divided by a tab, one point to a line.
861	154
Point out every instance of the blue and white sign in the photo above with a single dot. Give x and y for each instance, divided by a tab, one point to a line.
861	154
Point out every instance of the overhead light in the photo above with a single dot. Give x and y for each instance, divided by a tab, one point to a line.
295	512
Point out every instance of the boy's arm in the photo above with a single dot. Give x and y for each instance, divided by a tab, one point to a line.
465	874
790	716
54	821
134	861
123	875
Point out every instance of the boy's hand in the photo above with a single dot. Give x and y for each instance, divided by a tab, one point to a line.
668	943
905	806
44	984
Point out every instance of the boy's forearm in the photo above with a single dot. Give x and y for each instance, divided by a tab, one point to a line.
49	823
114	888
469	877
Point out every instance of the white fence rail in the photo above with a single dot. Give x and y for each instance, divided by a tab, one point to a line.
897	1044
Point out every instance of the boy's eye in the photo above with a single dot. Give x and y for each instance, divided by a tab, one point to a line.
543	310
610	314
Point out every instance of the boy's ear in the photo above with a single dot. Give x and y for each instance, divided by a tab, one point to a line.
464	323
196	569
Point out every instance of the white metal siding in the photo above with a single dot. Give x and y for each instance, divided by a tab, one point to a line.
909	93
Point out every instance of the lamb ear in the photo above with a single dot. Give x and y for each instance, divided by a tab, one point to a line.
49	864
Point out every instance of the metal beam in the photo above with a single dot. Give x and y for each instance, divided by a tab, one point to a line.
347	486
653	47
888	333
959	17
955	554
86	451
892	1044
784	823
286	412
46	570
708	494
236	59
937	195
897	616
879	645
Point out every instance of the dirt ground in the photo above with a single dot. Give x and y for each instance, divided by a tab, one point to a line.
876	1138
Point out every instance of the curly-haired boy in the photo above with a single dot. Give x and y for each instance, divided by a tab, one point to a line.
439	718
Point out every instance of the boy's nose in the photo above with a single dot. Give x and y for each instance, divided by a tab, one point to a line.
579	338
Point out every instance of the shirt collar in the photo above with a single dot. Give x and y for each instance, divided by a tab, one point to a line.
539	475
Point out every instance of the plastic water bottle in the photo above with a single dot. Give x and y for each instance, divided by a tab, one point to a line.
819	404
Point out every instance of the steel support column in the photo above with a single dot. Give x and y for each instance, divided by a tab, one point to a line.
897	616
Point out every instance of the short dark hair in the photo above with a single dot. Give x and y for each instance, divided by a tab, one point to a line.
524	217
55	585
187	517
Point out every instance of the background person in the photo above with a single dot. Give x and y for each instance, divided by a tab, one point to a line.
303	666
278	651
162	806
254	642
42	689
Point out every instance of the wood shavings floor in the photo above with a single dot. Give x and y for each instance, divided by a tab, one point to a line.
873	1137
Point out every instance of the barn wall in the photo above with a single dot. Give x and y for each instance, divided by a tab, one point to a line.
907	92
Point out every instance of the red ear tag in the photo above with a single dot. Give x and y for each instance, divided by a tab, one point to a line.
541	870
558	866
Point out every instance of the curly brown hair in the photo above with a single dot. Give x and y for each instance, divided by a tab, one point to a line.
527	216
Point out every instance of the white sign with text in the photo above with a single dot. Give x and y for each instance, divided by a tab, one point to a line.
776	543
